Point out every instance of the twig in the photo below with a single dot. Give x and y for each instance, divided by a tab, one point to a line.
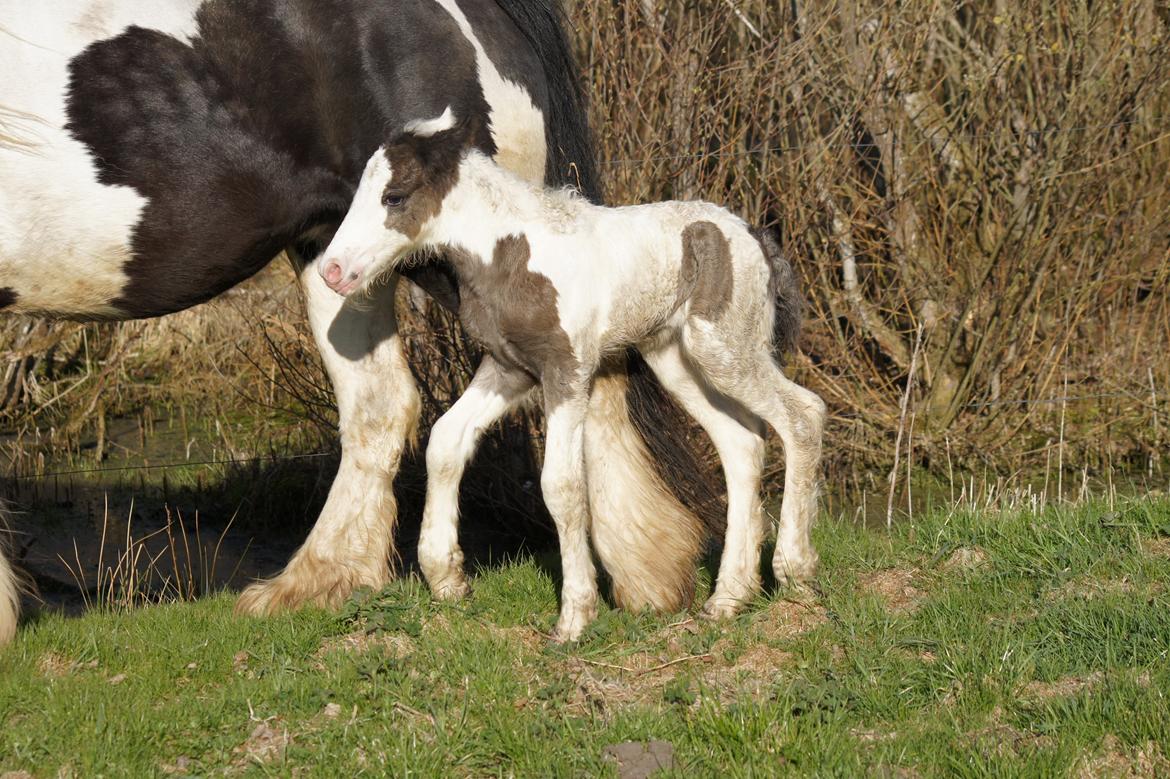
600	664
687	659
902	426
705	657
414	712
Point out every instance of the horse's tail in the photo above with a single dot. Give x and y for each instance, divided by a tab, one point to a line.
9	590
784	289
567	136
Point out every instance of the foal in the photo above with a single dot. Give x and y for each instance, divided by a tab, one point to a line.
549	284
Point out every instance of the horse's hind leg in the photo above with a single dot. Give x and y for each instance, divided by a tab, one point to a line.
738	438
454	438
352	542
632	510
742	367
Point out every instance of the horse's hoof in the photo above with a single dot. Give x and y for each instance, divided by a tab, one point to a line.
303	584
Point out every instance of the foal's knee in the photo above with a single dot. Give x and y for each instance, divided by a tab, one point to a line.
445	458
563	490
807	414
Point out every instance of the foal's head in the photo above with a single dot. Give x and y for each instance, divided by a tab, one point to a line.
401	192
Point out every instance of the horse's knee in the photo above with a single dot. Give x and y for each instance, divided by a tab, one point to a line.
382	425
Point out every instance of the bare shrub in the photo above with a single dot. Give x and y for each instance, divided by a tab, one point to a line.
982	184
991	177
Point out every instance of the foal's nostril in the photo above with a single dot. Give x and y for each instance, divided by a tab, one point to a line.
332	273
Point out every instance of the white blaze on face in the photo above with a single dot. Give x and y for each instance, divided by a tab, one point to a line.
363	246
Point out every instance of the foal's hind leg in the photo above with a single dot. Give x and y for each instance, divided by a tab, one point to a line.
738	437
454	438
744	369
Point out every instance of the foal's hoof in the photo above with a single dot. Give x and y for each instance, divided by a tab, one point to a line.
451	590
801	589
795	570
570	626
719	607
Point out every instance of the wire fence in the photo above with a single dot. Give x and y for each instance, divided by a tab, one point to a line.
274	459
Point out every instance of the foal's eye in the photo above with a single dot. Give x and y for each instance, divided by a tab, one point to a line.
392	201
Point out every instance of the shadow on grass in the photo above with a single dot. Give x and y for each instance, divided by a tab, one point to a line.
179	533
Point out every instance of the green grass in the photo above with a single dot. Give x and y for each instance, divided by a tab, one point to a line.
970	645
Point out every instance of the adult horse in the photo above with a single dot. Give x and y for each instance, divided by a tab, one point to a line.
155	153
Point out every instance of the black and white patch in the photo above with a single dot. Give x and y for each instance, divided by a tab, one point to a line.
237	156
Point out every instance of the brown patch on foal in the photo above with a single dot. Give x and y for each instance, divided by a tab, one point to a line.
705	275
513	312
8	296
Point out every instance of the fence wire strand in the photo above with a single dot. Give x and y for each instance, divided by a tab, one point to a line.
273	459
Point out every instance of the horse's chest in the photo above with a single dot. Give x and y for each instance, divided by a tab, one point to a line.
518	325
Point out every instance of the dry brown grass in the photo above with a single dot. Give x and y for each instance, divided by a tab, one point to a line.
975	194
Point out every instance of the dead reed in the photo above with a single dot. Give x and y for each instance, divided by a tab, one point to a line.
171	564
973	194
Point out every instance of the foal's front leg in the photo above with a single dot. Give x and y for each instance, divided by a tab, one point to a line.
454	438
563	483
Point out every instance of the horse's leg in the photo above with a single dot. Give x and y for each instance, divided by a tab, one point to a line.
9	591
738	438
351	544
749	375
562	481
453	441
632	509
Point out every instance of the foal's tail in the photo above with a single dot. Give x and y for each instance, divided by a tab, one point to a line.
784	289
9	591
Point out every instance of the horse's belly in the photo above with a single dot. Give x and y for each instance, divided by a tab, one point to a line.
64	236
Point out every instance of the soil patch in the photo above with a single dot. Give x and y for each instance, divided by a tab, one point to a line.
894	586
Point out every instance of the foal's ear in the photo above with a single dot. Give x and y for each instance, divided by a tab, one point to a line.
444	149
437	144
446	139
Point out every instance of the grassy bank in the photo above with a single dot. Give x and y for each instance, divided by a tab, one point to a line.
962	644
